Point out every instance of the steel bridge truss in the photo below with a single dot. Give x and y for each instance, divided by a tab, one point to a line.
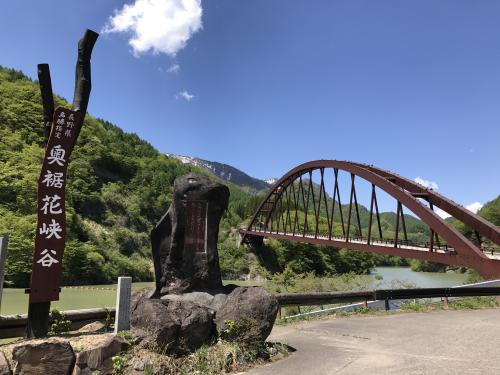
299	208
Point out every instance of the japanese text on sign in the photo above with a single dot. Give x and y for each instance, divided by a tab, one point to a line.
196	226
51	227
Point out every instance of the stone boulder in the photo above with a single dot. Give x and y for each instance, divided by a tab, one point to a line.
172	326
212	300
180	268
93	327
52	356
4	365
100	358
245	305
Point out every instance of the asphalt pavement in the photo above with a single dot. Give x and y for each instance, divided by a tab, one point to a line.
438	342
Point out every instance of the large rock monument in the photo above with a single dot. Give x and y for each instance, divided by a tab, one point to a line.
184	242
189	303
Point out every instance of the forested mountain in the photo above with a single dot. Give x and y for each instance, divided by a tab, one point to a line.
491	211
118	187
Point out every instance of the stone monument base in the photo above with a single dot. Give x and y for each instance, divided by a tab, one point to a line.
181	323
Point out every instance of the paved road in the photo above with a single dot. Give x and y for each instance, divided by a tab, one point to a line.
440	342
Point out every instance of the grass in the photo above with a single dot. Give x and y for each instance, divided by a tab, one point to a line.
422	305
465	303
222	357
475	303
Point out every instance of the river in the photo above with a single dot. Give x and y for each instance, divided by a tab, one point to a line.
399	277
15	301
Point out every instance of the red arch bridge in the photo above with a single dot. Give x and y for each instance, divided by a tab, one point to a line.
319	202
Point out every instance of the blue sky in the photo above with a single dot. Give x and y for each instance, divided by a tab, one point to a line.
264	85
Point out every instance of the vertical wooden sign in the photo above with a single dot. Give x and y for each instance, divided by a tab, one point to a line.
51	225
195	235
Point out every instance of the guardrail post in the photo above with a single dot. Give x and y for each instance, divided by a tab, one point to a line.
445	303
123	295
4	242
387	306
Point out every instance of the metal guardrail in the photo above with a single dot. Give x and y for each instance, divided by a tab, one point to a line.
15	325
309	299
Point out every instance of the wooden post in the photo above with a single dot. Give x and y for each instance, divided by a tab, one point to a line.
4	242
123	295
38	321
45	83
445	303
38	312
387	306
62	127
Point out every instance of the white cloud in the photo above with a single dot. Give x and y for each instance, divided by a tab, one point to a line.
442	214
174	68
474	207
163	26
426	183
185	95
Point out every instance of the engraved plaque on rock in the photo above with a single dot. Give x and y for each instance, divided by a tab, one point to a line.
196	226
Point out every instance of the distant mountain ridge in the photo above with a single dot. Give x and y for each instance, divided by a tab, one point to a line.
226	172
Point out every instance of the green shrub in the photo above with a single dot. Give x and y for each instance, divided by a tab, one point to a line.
127	335
474	303
233	259
120	363
244	331
58	323
289	282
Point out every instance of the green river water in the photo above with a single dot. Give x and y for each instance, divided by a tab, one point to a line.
15	301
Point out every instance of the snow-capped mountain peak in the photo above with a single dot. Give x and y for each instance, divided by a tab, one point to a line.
225	172
271	181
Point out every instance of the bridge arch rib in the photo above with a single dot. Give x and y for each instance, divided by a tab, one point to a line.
280	214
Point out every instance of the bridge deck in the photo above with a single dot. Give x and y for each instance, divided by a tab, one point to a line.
407	245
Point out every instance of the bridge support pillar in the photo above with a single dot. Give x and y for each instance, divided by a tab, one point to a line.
252	241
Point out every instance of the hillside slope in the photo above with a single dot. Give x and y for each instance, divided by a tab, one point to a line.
118	187
491	211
